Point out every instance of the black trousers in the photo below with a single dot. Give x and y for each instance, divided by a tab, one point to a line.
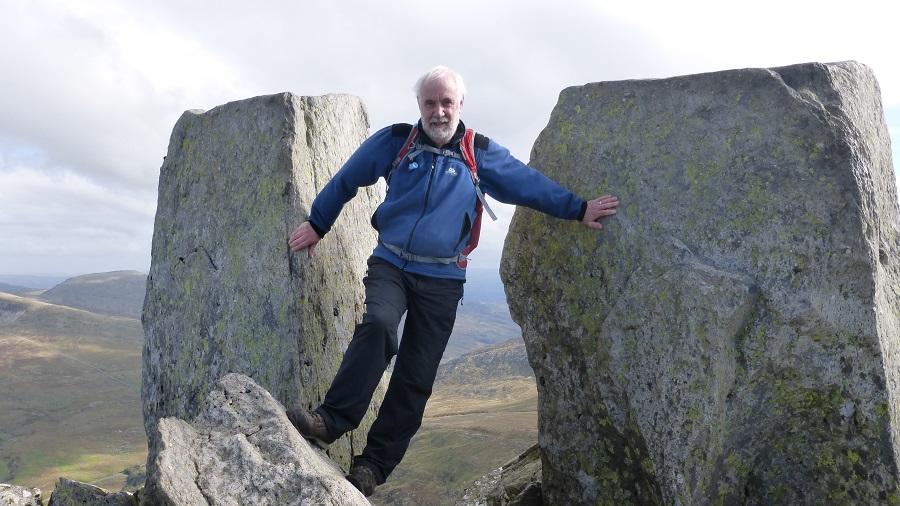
430	305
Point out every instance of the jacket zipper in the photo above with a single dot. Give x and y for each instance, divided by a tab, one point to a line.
412	232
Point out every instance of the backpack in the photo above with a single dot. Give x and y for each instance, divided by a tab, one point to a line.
412	147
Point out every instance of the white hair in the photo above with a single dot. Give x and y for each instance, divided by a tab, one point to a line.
440	72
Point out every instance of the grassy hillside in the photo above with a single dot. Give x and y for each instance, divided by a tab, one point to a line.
70	394
119	293
477	369
479	324
470	428
70	402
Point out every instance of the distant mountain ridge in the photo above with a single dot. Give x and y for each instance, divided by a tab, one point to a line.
18	290
29	281
117	293
483	318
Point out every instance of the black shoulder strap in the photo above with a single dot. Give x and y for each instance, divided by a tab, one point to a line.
401	129
481	142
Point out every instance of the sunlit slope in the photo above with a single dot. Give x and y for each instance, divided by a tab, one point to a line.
69	394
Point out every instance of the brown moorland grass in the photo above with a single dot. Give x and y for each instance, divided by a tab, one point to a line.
69	396
468	431
70	407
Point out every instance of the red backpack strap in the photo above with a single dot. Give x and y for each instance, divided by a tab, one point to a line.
467	146
468	152
410	143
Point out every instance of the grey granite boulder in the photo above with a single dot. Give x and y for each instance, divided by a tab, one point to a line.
731	336
516	483
12	495
68	492
224	293
243	451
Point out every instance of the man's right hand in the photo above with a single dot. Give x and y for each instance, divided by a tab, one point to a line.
304	237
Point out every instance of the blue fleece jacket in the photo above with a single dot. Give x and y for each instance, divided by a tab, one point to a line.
429	206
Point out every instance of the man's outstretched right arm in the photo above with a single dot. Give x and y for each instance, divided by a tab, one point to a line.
368	163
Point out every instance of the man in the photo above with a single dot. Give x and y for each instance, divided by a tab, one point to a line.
424	224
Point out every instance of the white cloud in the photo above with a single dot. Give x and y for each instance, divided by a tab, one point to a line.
708	35
57	221
93	88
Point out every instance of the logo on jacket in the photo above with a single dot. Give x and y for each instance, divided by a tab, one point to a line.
451	171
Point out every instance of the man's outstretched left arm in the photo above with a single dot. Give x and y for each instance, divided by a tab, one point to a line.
510	181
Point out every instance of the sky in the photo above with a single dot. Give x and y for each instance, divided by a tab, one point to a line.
91	90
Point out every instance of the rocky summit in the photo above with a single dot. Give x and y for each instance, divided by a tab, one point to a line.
731	335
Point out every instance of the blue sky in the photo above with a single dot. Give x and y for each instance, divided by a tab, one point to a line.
91	89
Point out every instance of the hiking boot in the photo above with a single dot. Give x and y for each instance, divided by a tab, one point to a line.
363	478
311	426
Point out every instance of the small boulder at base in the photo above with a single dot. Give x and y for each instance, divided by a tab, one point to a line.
241	450
12	495
74	493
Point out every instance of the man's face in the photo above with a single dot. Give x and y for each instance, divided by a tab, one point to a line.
440	104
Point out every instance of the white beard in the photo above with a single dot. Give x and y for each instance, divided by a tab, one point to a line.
440	133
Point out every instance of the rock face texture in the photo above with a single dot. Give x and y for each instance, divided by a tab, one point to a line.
240	450
224	293
731	336
72	493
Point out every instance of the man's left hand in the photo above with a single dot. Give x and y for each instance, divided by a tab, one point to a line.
598	208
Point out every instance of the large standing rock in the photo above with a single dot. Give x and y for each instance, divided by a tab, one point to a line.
240	450
731	336
224	293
